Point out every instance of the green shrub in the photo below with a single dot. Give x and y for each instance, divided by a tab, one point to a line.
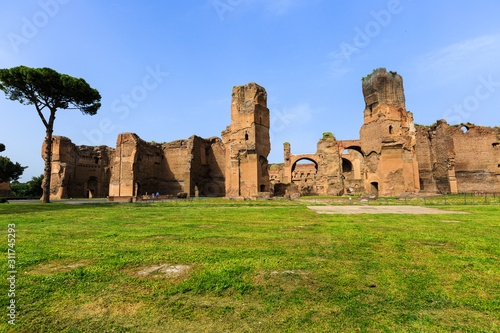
328	135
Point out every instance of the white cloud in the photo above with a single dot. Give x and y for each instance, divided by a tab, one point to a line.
466	56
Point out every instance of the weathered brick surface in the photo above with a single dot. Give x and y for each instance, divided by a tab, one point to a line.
5	190
193	166
461	158
388	136
247	143
477	161
436	159
325	175
207	167
79	171
392	156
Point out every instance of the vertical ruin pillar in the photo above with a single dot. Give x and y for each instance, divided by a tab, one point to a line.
122	182
388	136
287	174
247	142
329	166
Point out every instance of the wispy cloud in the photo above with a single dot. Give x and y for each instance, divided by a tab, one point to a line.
469	55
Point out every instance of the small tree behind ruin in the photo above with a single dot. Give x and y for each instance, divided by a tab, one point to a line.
49	91
9	170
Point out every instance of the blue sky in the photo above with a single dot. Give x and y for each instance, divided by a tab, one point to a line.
166	69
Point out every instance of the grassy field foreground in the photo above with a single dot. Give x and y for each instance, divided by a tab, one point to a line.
260	268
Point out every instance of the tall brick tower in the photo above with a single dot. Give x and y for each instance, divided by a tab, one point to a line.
388	136
247	142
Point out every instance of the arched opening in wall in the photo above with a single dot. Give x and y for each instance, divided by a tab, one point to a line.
92	184
346	166
464	128
374	188
303	169
390	129
356	148
353	165
345	152
246	136
263	188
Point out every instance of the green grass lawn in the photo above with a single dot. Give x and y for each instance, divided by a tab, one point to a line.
251	267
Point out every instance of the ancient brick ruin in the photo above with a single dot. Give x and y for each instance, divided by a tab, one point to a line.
247	143
391	157
461	158
79	171
192	167
388	136
5	190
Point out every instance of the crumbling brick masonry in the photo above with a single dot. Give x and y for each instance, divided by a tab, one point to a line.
392	156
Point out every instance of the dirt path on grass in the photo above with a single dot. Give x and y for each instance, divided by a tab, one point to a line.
380	210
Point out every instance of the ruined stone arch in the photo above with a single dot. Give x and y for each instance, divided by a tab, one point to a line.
356	148
304	159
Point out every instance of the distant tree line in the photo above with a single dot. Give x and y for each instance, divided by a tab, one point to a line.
9	170
30	189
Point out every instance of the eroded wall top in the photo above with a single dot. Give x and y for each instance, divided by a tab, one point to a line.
382	87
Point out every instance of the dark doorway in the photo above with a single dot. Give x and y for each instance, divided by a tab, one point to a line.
263	188
374	188
92	185
346	165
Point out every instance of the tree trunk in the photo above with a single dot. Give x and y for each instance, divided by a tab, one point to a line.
47	171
